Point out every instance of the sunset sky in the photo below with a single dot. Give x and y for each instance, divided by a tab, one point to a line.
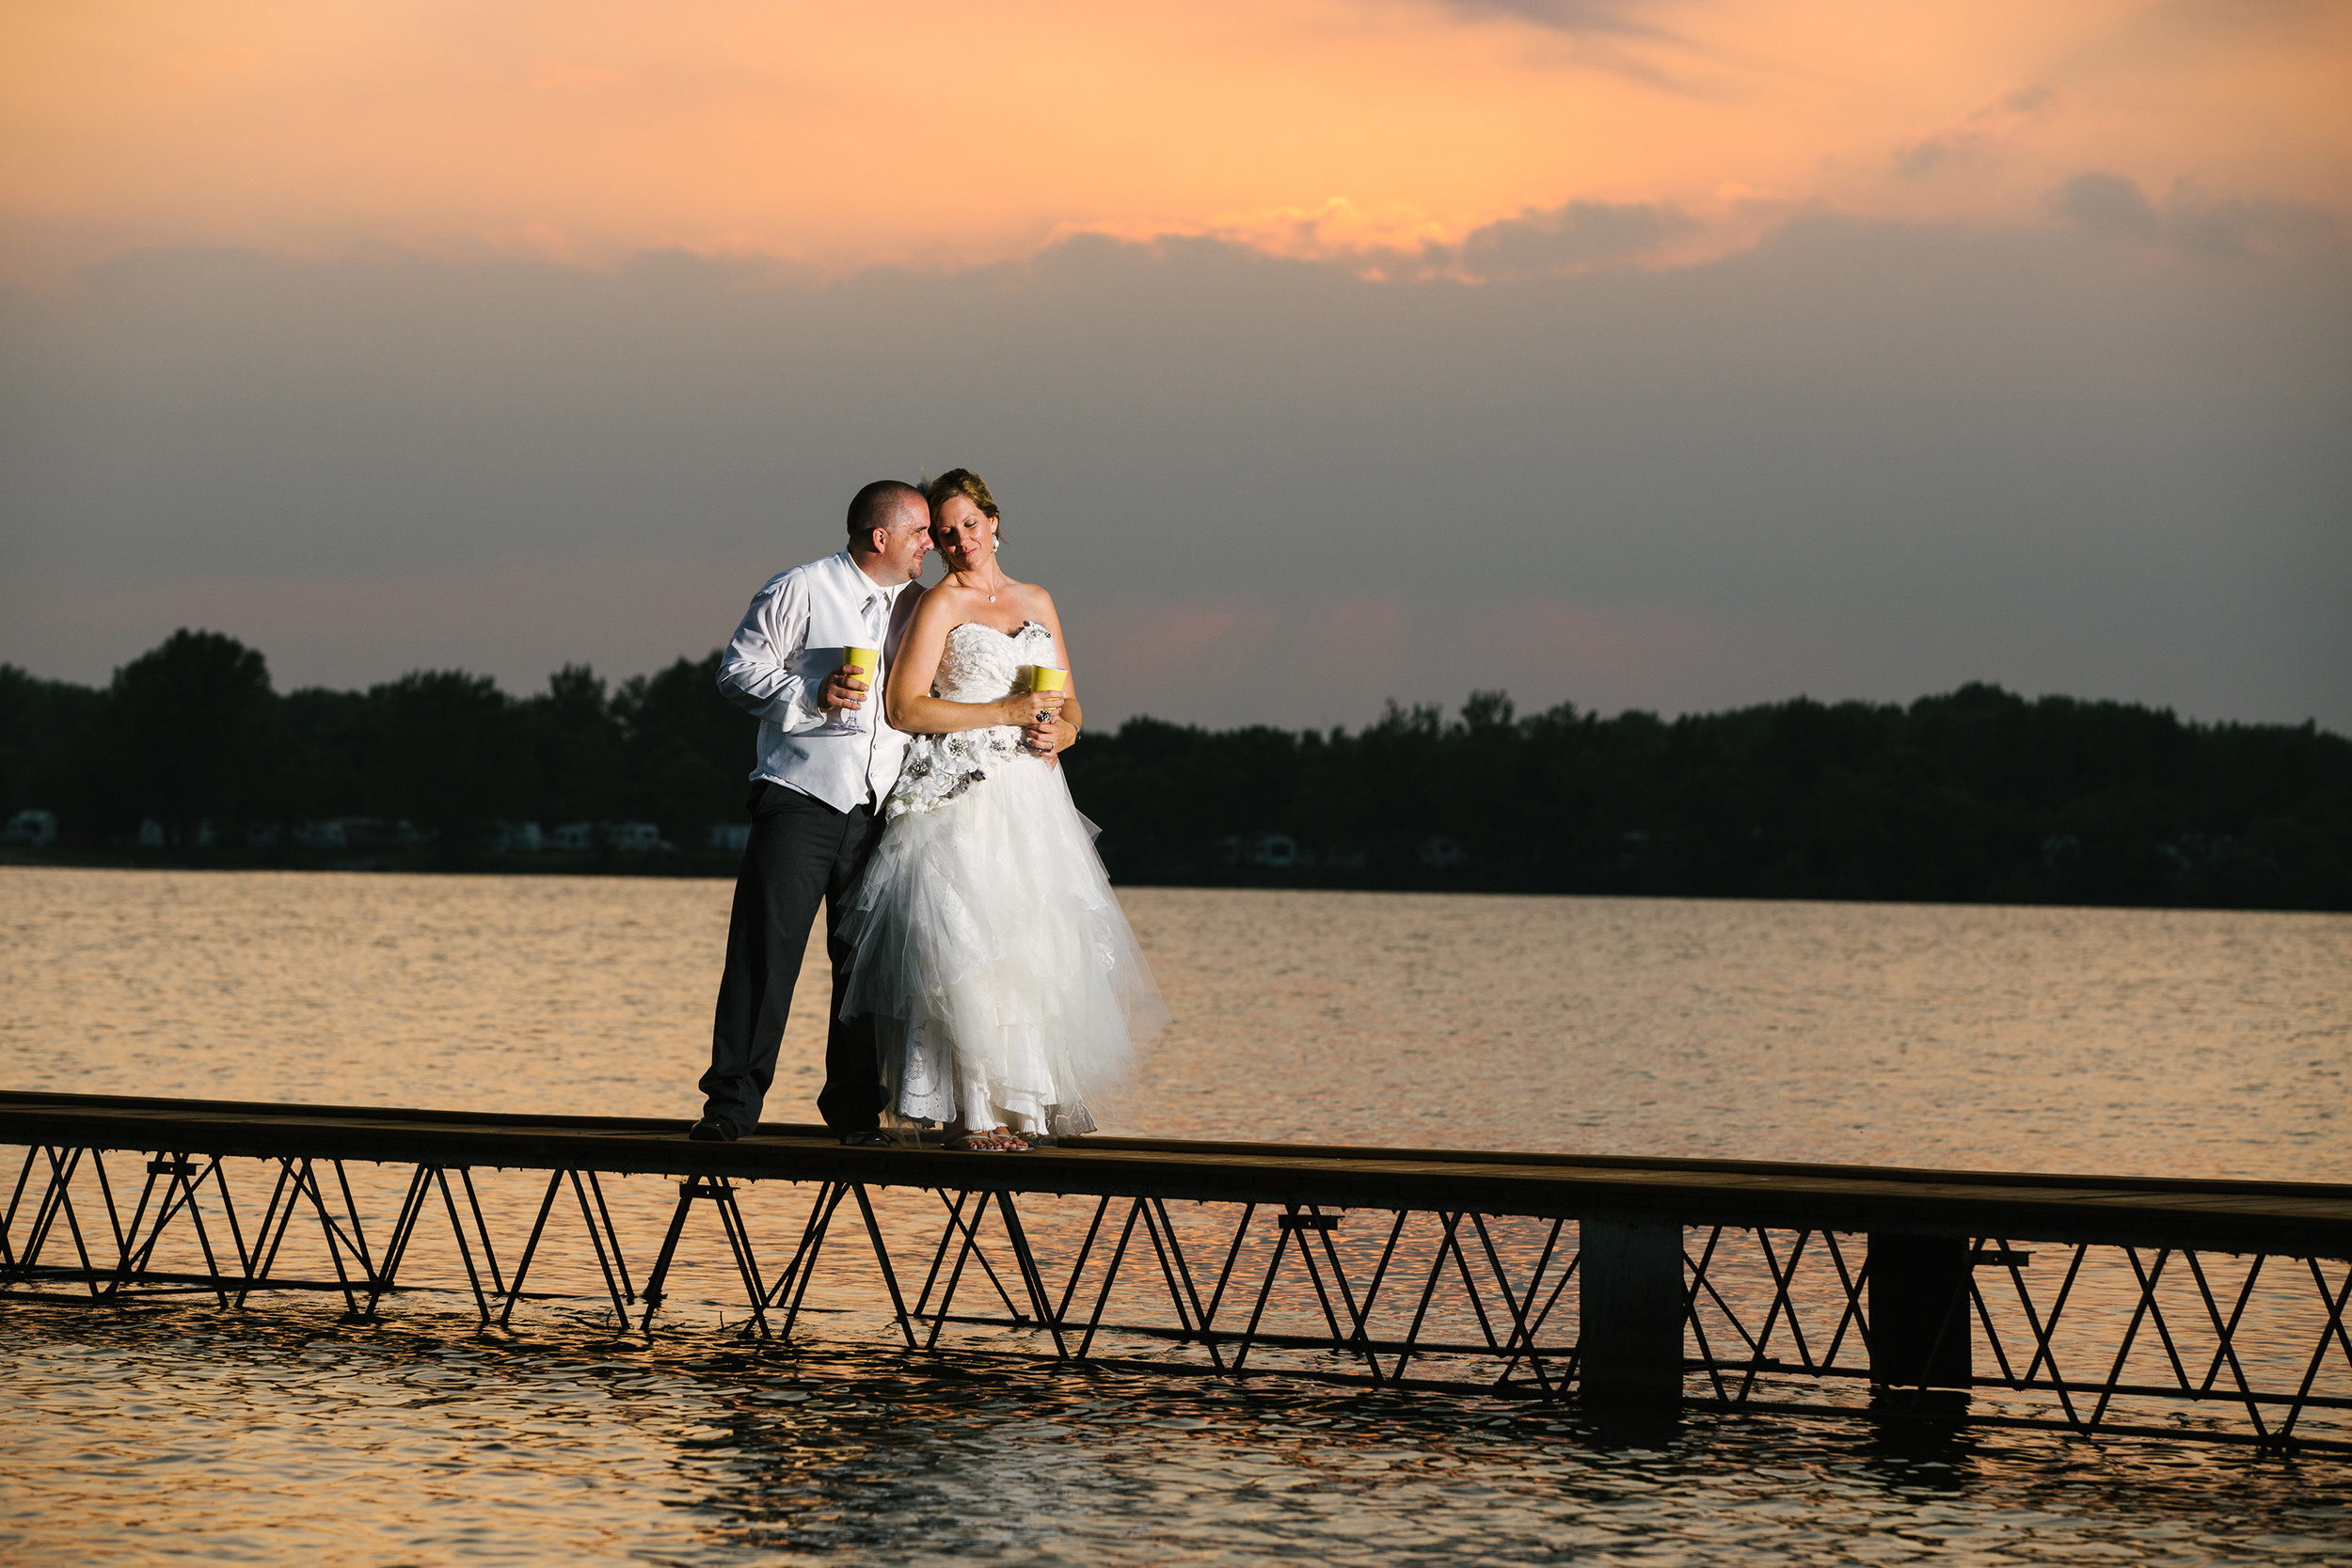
1671	354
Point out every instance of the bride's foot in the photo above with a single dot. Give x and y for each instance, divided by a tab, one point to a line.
990	1140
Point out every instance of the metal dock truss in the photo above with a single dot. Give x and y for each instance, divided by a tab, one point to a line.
2091	1305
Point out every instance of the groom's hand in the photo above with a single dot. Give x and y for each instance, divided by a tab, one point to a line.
845	688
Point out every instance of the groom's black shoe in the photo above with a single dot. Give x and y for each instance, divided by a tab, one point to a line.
710	1130
867	1138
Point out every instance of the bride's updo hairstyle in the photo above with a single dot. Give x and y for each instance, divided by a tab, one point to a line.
971	486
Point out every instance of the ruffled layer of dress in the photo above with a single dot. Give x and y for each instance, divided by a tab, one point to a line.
1006	985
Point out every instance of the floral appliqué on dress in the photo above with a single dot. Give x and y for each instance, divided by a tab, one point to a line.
980	664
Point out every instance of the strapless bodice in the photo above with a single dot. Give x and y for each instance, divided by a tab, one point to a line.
981	664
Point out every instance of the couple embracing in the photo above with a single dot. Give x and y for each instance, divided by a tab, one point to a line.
983	975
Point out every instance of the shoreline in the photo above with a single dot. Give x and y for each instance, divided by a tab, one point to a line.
720	866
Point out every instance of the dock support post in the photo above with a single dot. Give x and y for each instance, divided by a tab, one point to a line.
1630	1306
1920	1309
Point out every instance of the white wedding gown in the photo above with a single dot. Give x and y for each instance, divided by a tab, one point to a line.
1006	985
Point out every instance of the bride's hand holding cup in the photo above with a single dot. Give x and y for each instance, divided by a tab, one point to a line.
1042	736
1031	704
1047	686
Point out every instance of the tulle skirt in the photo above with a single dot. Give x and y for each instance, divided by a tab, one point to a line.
1006	985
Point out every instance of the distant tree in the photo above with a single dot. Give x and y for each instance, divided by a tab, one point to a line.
1976	794
42	726
690	750
579	749
447	751
190	735
330	751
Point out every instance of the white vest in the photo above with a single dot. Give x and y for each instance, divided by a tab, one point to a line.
790	640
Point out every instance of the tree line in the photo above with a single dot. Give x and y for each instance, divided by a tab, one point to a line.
1975	795
192	737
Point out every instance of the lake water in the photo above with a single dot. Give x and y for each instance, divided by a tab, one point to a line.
2174	1042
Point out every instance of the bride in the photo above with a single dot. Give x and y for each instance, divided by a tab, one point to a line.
1008	995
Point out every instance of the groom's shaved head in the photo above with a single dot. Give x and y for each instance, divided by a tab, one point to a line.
880	504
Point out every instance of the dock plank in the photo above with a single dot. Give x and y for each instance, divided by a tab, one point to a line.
2306	1218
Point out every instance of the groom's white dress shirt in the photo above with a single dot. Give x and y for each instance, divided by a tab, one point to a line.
790	640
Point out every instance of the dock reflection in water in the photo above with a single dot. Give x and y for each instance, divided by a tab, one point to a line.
2183	1044
289	1437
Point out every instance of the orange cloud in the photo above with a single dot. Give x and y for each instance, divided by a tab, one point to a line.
926	133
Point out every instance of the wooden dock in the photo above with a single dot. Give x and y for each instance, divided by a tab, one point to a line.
1684	1279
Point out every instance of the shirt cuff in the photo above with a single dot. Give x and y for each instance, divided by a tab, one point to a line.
800	714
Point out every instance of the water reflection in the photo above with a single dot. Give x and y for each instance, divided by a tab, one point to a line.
2173	1042
266	1437
2192	1043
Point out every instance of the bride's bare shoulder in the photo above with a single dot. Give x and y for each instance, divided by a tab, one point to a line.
942	602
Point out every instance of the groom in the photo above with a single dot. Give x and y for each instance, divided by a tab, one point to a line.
814	805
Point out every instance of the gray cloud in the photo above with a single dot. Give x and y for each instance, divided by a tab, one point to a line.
1976	137
2110	205
1566	238
1613	36
1606	17
1857	460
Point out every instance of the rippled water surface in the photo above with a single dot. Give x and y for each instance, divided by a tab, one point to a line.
2189	1043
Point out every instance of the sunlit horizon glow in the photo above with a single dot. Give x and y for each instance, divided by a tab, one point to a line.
1670	353
932	135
